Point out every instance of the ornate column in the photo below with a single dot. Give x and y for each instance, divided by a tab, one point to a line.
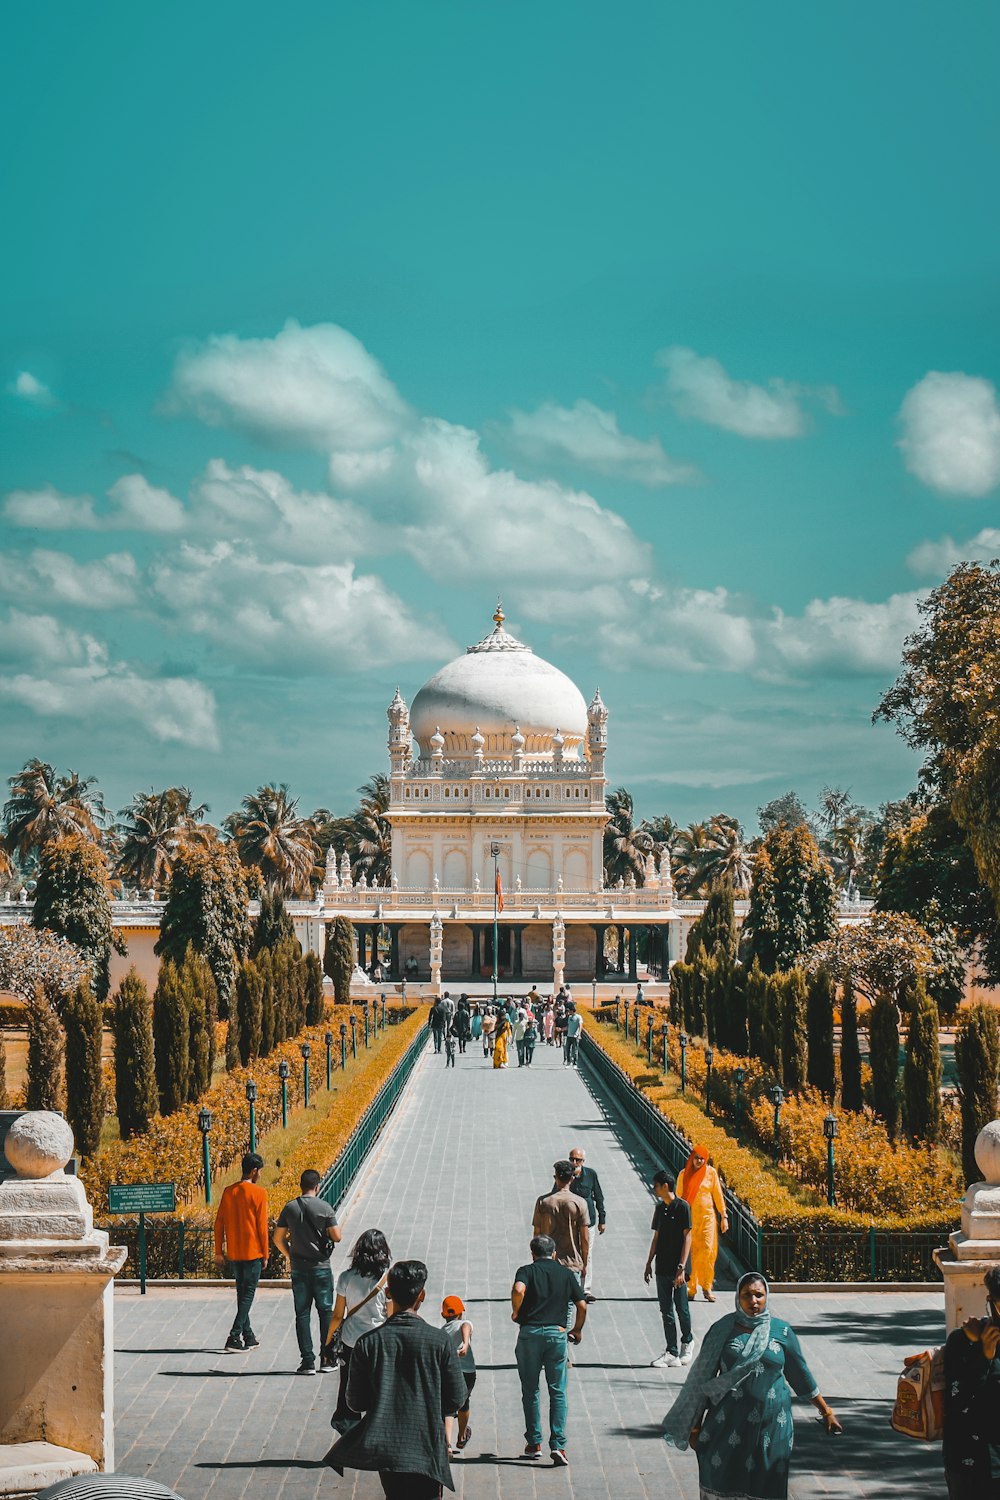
558	953
394	950
437	945
633	954
975	1247
517	966
476	960
600	968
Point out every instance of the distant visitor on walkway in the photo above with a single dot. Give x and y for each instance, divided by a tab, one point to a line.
702	1191
735	1406
241	1238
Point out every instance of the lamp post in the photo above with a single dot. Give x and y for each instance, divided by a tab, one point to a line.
830	1131
283	1071
383	1011
365	1007
354	1035
778	1099
625	1006
305	1049
252	1101
709	1060
649	1041
495	854
343	1045
328	1039
684	1071
618	1011
636	1014
666	1054
205	1125
740	1076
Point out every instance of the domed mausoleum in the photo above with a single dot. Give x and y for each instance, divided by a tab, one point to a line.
497	786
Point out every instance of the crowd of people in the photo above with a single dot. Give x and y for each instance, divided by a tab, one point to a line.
507	1028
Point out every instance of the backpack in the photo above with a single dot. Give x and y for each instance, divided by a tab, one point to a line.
919	1408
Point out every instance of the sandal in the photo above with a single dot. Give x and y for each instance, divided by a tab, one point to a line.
463	1440
708	1296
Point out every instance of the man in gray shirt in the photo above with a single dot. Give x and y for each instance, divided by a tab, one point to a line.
305	1234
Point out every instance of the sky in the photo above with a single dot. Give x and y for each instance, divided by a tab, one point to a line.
322	326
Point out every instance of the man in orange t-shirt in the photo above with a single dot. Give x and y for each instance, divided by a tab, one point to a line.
241	1227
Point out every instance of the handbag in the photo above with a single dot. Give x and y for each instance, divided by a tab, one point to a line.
919	1408
334	1347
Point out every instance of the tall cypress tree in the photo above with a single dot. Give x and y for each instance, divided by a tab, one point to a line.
267	1022
794	1033
338	958
171	1039
45	1055
851	1095
207	905
73	899
756	1003
774	1022
977	1059
792	900
273	926
313	989
86	1098
922	1068
3	1072
883	1042
202	1002
679	974
822	1073
250	1010
761	925
135	1071
734	1009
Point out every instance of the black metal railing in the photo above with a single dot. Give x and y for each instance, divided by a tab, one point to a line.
176	1250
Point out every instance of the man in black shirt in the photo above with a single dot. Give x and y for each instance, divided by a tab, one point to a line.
668	1254
305	1234
540	1299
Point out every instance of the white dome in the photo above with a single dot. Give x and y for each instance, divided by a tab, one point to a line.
494	687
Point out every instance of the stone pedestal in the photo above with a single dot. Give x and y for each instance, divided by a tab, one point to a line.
56	1300
974	1248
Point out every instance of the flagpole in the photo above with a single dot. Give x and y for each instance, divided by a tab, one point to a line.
495	851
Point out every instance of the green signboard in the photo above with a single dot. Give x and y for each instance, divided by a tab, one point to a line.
142	1198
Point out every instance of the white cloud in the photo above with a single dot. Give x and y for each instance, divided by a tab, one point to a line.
72	676
260	503
935	559
45	577
136	505
313	387
951	433
29	388
842	635
587	436
47	510
700	388
282	616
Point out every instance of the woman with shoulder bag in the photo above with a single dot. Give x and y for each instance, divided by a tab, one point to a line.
972	1402
360	1305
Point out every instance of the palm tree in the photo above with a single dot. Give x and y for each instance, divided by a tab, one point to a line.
625	844
268	834
689	846
724	858
371	852
44	806
153	829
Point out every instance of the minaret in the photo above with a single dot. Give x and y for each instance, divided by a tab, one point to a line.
597	734
399	734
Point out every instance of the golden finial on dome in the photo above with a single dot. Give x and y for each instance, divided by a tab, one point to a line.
499	616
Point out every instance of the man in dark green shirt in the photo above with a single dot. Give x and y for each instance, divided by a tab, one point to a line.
540	1300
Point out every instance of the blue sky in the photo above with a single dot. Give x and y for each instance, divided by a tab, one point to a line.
676	326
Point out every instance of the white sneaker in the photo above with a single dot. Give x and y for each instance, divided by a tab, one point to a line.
687	1354
666	1361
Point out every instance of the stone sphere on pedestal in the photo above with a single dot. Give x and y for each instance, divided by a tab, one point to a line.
988	1152
38	1144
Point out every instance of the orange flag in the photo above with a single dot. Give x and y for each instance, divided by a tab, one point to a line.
499	891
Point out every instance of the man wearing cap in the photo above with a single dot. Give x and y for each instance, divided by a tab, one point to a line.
587	1186
241	1237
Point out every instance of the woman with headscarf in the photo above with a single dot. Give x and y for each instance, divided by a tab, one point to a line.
500	1038
701	1189
735	1406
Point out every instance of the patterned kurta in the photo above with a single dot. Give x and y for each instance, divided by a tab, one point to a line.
745	1443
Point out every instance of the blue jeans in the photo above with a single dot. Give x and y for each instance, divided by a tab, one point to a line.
311	1285
246	1274
674	1298
538	1349
520	1051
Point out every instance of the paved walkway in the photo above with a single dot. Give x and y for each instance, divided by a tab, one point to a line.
453	1182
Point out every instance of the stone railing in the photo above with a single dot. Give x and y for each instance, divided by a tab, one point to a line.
463	770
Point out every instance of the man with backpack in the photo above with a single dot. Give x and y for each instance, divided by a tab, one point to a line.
305	1235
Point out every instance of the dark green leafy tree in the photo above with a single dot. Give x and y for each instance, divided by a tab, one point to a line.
273	926
338	958
851	1094
794	1033
977	1059
171	1039
883	1042
774	1023
265	969
756	1005
679	974
135	1069
761	928
792	900
73	900
203	1012
787	810
313	990
249	1011
822	1073
733	1008
45	1055
207	905
86	1097
234	1042
922	1068
715	930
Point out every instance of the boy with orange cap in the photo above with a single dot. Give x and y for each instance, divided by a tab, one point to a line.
702	1191
459	1330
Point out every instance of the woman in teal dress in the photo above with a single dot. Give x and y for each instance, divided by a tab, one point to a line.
735	1407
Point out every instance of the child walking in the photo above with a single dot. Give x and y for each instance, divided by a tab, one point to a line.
459	1330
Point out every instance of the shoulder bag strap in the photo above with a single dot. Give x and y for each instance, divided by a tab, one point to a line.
364	1302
